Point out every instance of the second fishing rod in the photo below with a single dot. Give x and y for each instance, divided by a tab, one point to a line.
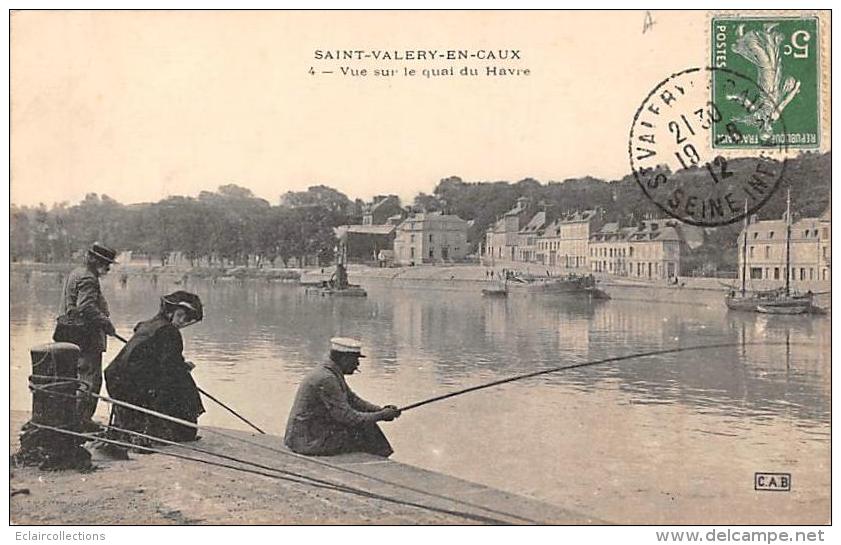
212	398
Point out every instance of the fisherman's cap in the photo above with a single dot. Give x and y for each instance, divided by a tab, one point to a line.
186	300
346	345
102	252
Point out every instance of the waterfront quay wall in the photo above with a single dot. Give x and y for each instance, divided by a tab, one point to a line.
474	277
159	489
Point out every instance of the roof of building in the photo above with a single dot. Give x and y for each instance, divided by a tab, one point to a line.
648	230
582	216
535	224
779	225
519	208
385	229
370	208
429	218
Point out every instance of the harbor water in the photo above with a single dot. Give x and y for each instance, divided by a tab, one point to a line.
675	438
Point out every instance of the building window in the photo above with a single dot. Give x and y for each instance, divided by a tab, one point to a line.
806	233
751	251
802	273
412	239
825	248
412	253
767	252
756	235
631	252
430	237
431	254
825	232
811	273
756	273
776	273
815	233
770	234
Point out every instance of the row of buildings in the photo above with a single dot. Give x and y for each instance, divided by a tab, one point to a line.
583	242
654	248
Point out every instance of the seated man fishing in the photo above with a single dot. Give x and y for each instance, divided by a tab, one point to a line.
150	372
327	418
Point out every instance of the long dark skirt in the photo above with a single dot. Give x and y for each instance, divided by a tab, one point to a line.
132	420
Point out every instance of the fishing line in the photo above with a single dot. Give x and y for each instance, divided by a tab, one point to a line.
224	406
335	487
302	476
275	450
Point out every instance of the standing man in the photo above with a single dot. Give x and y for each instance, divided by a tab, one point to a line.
82	297
327	418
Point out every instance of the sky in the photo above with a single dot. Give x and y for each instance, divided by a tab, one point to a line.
142	105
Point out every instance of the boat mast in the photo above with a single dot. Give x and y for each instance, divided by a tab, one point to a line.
745	250
788	241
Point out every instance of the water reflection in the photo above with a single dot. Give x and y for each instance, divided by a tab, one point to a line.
259	339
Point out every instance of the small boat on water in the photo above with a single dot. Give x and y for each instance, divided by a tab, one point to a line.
749	301
596	293
789	309
351	290
338	285
571	283
496	291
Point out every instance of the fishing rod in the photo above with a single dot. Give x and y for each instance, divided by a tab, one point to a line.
578	366
233	412
224	406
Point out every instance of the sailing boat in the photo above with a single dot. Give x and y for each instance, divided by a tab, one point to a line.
777	301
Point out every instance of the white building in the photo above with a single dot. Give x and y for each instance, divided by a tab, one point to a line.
503	238
810	249
649	250
566	241
430	238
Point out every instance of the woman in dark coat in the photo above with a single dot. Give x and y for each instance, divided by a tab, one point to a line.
150	371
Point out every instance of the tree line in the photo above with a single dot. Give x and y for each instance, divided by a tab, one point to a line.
231	226
223	228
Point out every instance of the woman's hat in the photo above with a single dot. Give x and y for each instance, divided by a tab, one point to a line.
102	252
186	300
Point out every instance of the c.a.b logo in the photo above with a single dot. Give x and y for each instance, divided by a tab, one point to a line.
772	482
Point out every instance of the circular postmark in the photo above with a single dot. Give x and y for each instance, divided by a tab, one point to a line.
687	151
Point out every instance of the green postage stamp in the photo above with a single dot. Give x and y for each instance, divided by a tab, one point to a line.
779	54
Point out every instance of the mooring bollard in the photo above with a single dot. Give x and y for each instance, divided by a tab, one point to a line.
55	387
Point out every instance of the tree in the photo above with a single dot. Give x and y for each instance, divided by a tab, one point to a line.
426	203
318	195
